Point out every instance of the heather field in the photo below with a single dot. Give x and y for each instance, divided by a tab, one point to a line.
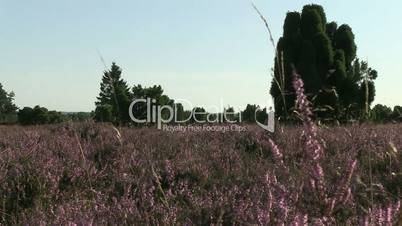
200	113
96	174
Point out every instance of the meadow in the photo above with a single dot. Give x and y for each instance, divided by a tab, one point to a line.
304	174
329	161
96	174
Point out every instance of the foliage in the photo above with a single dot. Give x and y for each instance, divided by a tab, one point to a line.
104	113
199	114
39	116
156	98
115	98
79	116
180	114
7	106
114	94
94	174
339	85
253	112
381	113
397	114
229	114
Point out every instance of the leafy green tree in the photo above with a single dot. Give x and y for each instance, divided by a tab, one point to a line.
338	84
248	114
262	115
229	115
155	95
114	92
199	114
397	114
79	116
381	113
104	113
252	113
365	76
54	117
25	116
187	115
39	116
7	106
180	113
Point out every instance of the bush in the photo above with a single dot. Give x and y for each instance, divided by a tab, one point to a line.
39	116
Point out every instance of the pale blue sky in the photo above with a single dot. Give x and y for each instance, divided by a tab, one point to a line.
201	50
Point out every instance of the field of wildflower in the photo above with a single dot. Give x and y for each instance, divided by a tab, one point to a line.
96	174
90	175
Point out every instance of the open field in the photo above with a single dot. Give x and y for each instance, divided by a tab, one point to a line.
92	174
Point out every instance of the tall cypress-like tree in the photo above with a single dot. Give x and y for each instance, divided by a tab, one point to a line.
324	55
344	39
114	96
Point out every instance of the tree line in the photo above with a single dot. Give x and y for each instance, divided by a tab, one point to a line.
339	85
113	102
112	106
115	96
11	114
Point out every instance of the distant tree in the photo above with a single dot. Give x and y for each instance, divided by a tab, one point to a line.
262	115
253	113
156	96
39	116
397	114
199	115
154	92
381	113
248	115
8	109
25	116
79	116
54	117
229	114
187	114
180	114
338	84
104	113
362	76
114	92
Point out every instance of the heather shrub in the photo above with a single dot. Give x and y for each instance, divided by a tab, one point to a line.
21	190
104	157
97	174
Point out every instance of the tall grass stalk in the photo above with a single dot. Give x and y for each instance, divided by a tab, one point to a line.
279	61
